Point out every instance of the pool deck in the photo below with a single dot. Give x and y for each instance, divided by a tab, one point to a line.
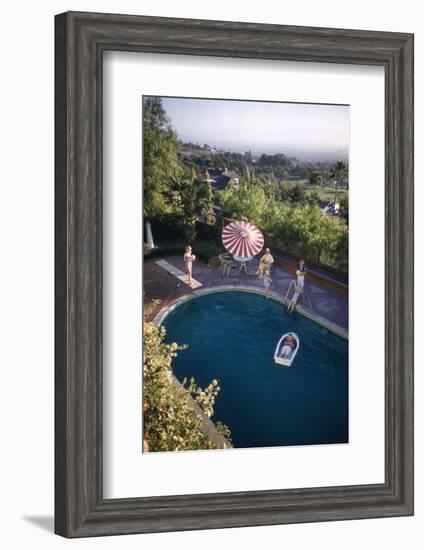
162	290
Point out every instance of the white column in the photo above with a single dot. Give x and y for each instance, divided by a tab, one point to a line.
149	235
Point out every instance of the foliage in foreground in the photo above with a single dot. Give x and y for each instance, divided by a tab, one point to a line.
171	422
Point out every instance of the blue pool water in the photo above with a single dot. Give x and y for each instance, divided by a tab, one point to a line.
232	337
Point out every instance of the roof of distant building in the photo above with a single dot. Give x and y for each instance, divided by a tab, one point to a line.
221	181
232	174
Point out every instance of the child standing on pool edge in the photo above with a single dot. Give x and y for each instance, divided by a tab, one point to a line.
267	281
188	260
300	272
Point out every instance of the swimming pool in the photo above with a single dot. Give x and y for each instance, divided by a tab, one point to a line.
232	337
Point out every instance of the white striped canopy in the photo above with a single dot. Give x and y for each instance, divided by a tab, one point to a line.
242	239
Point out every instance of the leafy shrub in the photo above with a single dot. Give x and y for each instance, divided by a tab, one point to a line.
204	250
171	420
302	229
213	262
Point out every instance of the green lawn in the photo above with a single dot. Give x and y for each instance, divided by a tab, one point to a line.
325	193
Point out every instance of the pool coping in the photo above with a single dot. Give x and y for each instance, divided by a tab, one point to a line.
164	312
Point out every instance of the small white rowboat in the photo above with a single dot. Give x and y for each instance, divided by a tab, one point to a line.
282	355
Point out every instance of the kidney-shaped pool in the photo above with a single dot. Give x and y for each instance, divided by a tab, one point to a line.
231	336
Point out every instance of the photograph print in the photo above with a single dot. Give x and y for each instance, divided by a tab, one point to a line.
245	274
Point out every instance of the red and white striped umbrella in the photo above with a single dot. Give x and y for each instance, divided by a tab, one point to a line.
242	239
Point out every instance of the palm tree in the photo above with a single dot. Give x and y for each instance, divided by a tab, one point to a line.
191	199
339	173
316	178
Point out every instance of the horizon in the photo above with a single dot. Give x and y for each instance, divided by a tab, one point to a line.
303	130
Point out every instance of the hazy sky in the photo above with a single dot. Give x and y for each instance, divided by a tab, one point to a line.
261	126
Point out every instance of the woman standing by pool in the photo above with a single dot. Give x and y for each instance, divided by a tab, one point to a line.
188	260
300	272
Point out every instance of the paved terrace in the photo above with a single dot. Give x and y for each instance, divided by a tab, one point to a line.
165	288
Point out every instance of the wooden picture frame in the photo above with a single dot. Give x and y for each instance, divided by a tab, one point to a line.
81	39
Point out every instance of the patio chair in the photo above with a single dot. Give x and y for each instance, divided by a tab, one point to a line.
253	265
227	264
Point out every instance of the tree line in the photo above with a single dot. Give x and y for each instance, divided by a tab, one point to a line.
170	187
298	228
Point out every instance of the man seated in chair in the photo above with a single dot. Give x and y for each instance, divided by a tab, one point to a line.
266	262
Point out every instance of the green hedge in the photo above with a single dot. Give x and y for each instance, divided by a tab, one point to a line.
204	250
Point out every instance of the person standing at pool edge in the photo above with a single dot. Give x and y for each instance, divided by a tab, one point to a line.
300	272
188	260
267	281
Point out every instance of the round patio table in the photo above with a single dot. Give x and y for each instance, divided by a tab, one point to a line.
243	262
243	240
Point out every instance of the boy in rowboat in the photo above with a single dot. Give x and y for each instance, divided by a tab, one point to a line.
289	344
